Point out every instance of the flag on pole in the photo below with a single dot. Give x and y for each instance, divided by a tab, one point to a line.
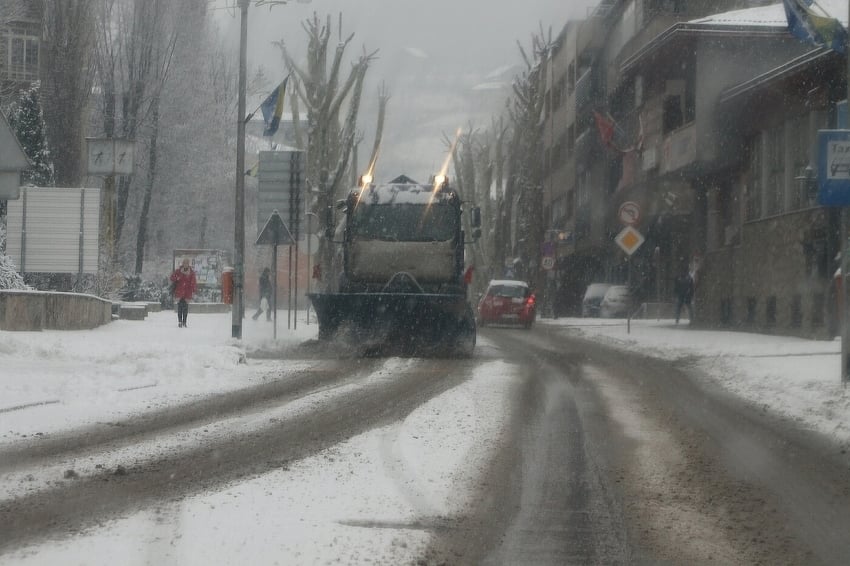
812	27
605	125
613	136
272	108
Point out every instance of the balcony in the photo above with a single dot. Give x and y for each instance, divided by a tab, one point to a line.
679	149
584	90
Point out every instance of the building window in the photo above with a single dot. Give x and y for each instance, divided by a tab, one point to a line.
21	54
571	78
817	310
796	311
775	181
673	115
770	310
754	178
797	141
726	311
752	303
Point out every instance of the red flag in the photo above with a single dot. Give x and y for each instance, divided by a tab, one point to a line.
605	126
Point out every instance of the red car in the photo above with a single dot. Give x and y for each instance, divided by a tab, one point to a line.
507	302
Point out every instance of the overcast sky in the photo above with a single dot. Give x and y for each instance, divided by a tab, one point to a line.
432	55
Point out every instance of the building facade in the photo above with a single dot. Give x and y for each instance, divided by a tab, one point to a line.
714	159
20	45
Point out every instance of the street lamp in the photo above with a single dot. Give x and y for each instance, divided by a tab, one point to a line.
239	228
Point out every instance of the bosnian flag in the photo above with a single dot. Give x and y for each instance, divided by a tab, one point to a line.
814	26
272	108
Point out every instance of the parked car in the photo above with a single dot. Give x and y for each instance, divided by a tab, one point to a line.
616	302
507	302
592	297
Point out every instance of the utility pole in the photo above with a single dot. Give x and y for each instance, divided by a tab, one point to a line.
239	230
845	251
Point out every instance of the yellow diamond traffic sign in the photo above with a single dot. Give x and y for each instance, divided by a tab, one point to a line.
629	239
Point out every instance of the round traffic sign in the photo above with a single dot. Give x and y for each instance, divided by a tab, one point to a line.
548	262
629	213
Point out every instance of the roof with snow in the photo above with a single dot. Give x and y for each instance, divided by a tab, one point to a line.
770	16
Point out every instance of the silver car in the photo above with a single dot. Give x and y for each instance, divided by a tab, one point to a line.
592	298
616	302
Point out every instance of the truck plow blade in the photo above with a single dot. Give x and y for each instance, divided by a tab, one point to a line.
411	320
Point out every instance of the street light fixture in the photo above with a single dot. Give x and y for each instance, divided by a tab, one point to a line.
239	229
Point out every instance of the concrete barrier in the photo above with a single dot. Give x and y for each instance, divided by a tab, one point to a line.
655	310
132	311
206	308
44	310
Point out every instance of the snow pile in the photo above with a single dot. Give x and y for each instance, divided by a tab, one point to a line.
9	276
796	378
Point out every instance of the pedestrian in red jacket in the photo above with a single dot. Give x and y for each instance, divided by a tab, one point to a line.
185	284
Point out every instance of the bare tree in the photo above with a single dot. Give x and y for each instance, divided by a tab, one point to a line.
165	37
68	41
324	92
521	224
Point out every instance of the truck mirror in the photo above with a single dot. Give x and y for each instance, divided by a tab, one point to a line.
476	217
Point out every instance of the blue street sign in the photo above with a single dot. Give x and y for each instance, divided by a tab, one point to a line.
834	167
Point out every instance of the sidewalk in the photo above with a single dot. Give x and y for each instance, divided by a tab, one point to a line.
793	377
55	380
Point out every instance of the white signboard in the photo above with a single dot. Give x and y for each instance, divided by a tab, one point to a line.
280	178
110	156
838	160
54	230
207	264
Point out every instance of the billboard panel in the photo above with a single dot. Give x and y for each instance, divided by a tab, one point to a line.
279	187
54	230
207	264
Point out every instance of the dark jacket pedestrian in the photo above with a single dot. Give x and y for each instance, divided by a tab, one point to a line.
684	288
185	284
265	293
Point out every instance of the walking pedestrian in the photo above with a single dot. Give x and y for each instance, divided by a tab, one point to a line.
265	294
185	283
684	289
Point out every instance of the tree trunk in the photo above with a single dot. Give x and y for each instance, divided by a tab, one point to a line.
141	237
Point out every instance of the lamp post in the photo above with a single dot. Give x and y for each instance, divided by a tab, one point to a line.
239	228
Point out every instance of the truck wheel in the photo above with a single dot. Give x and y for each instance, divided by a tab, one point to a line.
466	338
465	346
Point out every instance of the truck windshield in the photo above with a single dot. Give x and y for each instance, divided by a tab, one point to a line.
404	222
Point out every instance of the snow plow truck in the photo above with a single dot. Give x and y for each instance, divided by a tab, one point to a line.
399	277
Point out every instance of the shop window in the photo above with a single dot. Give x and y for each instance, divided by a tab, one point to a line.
796	311
770	310
817	310
752	304
726	311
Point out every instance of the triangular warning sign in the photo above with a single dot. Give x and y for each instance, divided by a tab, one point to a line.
275	232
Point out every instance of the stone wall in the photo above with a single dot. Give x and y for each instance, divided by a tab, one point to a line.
38	310
767	283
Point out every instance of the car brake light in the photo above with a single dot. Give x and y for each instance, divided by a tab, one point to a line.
530	300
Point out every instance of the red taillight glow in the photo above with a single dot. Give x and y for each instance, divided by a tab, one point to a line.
530	300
